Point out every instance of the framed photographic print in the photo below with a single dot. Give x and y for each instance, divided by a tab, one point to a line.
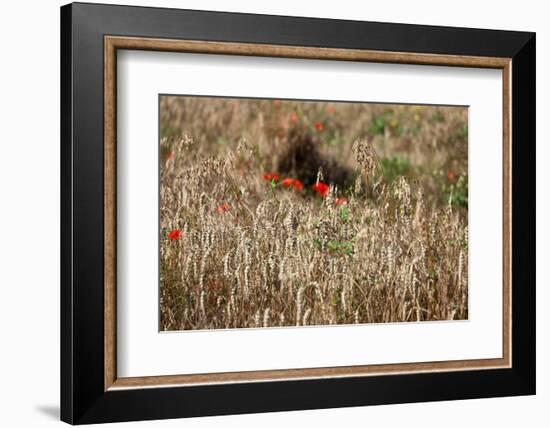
266	213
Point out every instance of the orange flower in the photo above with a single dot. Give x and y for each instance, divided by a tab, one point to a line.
174	235
293	117
341	201
451	176
269	176
330	108
170	155
223	208
321	188
318	126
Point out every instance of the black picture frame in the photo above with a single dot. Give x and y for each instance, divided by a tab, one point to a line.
83	398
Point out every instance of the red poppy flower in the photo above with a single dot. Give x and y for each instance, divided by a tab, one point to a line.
330	109
451	175
223	208
269	176
297	184
341	201
293	117
321	188
170	155
318	126
294	183
287	182
174	235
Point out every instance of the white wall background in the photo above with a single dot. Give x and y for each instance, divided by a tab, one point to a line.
29	215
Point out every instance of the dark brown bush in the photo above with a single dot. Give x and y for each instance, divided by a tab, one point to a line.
303	160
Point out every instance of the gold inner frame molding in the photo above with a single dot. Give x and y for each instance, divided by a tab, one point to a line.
113	43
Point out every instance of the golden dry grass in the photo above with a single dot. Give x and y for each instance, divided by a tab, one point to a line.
388	242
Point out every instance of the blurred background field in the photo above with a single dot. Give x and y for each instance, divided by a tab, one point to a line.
424	143
279	213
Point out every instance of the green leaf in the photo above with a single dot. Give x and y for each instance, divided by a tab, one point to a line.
344	214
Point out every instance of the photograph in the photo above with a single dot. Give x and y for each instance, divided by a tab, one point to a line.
279	213
264	212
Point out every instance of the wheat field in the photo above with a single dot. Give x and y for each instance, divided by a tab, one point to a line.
290	213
